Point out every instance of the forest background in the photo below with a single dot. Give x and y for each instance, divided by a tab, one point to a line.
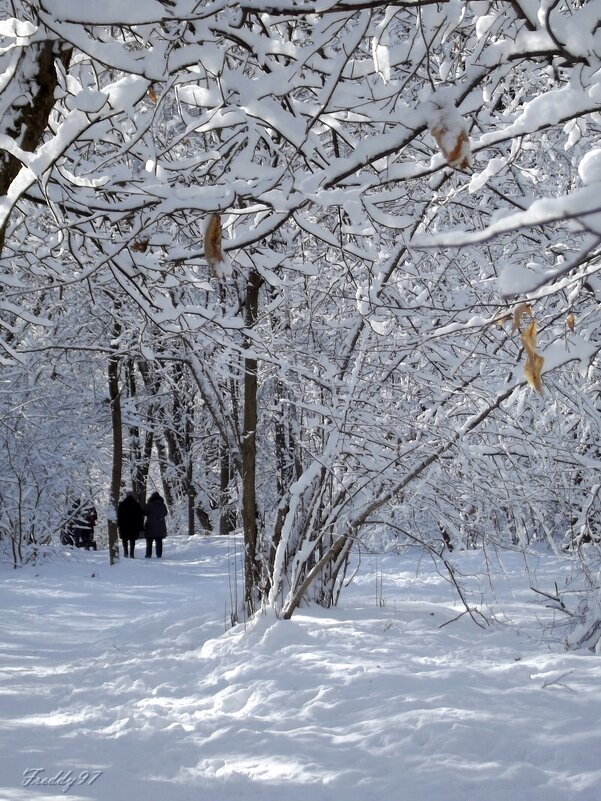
322	272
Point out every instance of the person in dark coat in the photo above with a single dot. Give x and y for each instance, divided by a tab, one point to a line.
80	526
130	521
155	527
68	530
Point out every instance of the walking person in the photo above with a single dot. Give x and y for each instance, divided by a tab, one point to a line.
155	527
130	521
68	529
82	519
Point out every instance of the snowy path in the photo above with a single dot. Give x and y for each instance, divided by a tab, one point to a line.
363	703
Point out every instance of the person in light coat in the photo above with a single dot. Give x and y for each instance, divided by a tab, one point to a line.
155	528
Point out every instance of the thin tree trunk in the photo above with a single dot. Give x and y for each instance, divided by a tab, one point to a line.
113	382
227	516
141	470
252	570
163	459
190	488
140	443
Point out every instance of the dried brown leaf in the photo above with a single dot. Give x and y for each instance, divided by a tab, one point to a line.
454	145
534	361
212	241
532	371
220	265
519	312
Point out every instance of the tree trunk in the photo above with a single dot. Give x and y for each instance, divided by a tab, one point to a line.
140	443
227	515
113	381
28	122
252	569
189	484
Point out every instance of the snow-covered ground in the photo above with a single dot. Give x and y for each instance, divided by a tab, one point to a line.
126	684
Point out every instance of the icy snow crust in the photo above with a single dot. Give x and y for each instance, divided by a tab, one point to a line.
128	671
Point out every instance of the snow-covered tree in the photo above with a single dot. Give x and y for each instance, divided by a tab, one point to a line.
363	236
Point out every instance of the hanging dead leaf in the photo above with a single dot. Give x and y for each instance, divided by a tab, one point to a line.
141	246
519	312
152	94
213	252
532	371
571	321
534	361
454	144
529	337
217	261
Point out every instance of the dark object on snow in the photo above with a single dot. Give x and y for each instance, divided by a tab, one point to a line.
79	528
130	520
67	536
155	527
